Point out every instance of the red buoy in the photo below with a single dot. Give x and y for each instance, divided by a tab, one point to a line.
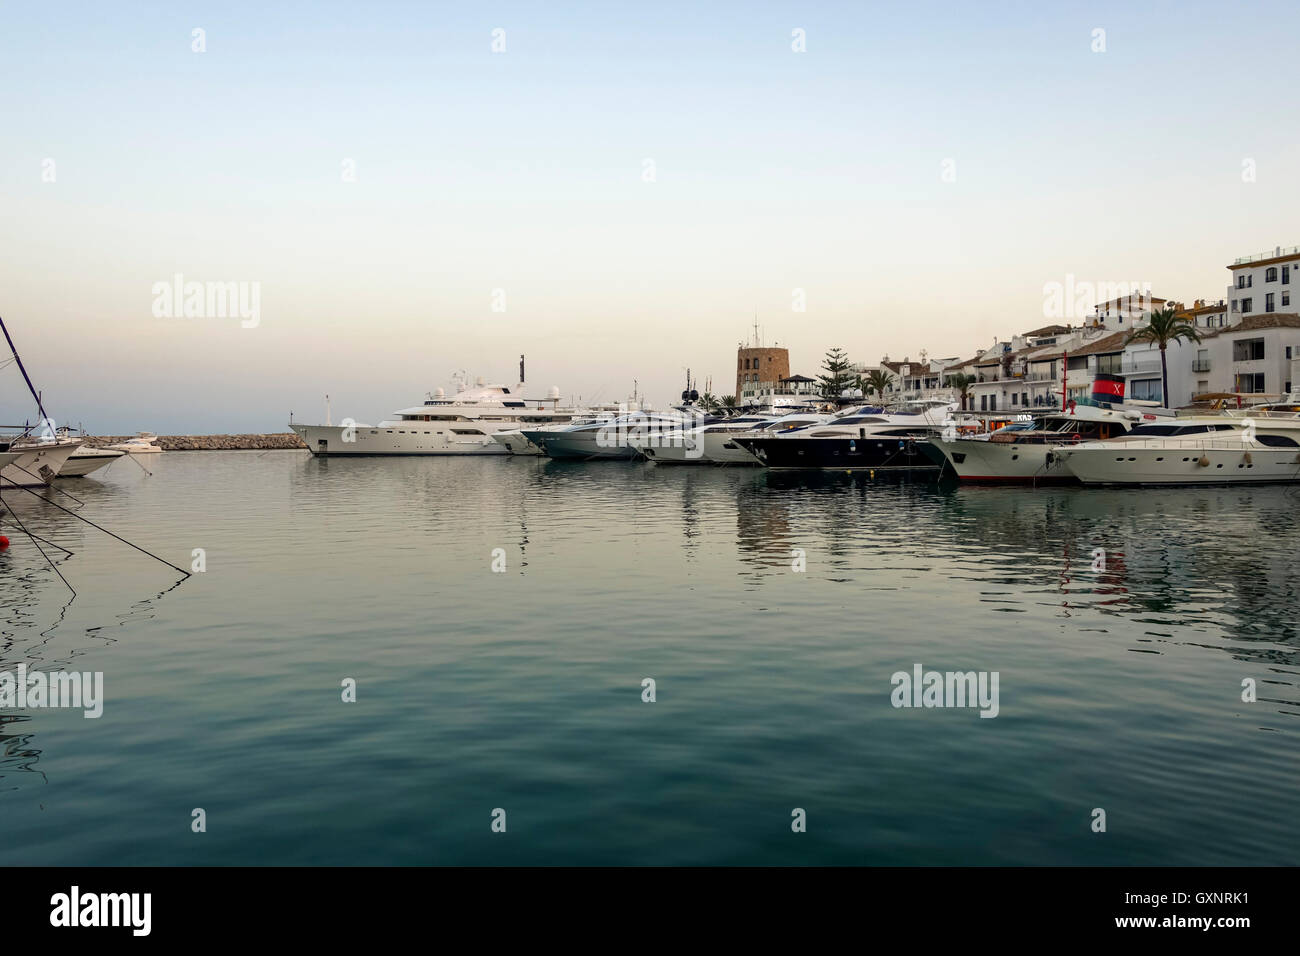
4	542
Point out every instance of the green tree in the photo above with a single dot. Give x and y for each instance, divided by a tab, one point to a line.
708	401
836	376
728	403
1165	326
962	383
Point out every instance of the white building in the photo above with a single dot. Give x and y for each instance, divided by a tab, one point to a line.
1263	283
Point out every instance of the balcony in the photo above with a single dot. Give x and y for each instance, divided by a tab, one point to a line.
1139	368
1200	365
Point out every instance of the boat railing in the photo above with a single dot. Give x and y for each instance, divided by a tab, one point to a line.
1178	444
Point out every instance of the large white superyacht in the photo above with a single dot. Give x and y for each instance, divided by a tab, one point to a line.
463	424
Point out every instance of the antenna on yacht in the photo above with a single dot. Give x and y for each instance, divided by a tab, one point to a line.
327	411
521	370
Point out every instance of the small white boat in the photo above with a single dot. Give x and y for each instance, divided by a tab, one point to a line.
39	461
88	458
146	443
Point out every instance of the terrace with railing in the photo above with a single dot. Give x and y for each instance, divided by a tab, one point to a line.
1246	260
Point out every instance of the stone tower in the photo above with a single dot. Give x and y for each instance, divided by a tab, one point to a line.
758	366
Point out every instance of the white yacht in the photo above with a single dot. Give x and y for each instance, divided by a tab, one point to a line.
1202	450
517	444
87	458
145	443
1022	451
611	440
715	442
38	460
464	424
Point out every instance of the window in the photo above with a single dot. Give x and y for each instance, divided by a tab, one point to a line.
1286	274
1015	398
1276	441
1024	398
984	403
1234	305
1245	305
1247	350
1268	302
1145	389
1286	298
1270	274
993	403
1241	282
1288	353
1110	363
1252	383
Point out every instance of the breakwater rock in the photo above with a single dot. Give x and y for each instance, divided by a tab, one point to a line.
277	441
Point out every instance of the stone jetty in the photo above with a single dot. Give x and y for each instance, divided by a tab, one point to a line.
277	441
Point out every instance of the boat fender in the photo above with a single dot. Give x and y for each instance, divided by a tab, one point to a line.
1249	460
1050	458
4	542
1203	461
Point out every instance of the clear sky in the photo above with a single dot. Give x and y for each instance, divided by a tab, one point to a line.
525	171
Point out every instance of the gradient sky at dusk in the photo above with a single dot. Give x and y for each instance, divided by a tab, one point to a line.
522	171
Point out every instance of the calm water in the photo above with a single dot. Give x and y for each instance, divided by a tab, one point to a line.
522	690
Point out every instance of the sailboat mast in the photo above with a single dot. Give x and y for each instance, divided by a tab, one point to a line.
26	378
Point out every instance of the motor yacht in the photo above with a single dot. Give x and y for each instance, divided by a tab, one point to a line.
1222	449
867	437
614	440
517	444
145	443
1022	451
717	443
464	424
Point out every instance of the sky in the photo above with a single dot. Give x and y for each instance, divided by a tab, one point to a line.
616	191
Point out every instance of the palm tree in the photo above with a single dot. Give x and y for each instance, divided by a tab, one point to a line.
728	403
877	381
708	401
962	383
1165	326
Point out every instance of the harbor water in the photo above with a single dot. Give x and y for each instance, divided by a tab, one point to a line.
500	619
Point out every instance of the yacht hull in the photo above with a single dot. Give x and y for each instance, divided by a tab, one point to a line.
1182	466
37	464
516	444
87	460
580	447
974	459
331	441
879	454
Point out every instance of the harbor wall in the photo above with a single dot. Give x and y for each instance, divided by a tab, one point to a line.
279	440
